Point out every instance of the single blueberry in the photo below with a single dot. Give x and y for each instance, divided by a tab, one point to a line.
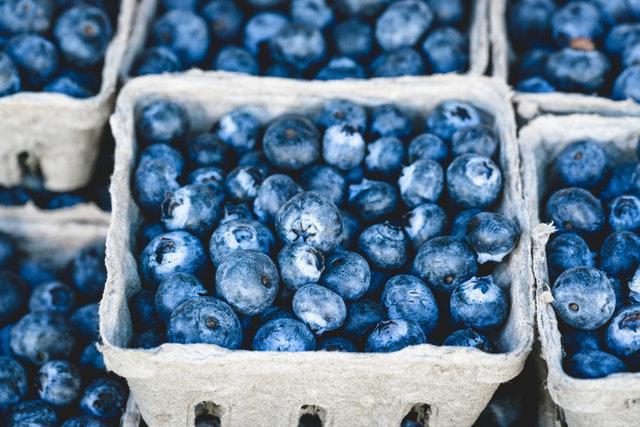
212	176
87	270
300	264
232	212
450	116
567	251
299	46
205	320
622	336
353	38
361	8
407	297
594	364
35	57
461	223
373	200
157	60
142	308
347	274
575	340
240	234
13	296
393	335
67	86
583	298
445	262
235	59
624	213
52	296
63	200
258	159
311	12
575	210
207	149
274	192
385	246
13	382
58	382
83	33
469	338
243	182
479	140
529	21
162	122
403	24
474	181
421	182
292	142
261	28
362	316
535	85
85	421
325	180
572	70
165	153
582	164
319	308
238	129
340	68
173	252
626	85
448	12
429	147
284	334
179	4
343	147
26	16
388	120
175	290
575	21
225	19
613	11
104	398
193	208
42	336
32	413
336	344
425	222
404	61
531	64
341	112
492	236
385	156
350	229
185	33
85	321
479	304
35	273
151	338
621	37
15	196
446	51
620	254
9	76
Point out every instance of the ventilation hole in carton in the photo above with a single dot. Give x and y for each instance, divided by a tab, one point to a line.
312	416
207	414
29	167
418	416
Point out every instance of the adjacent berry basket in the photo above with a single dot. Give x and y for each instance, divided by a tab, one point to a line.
310	39
51	134
588	340
175	383
576	57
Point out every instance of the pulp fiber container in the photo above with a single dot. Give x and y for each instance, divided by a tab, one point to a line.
174	382
530	105
478	35
85	213
56	135
610	401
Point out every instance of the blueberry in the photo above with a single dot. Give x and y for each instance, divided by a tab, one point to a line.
492	236
530	21
179	4
373	200
429	147
583	297
207	149
173	252
535	85
42	336
261	28
626	85
445	262
582	164
343	147
531	64
52	296
83	34
336	344
143	311
85	321
567	251
362	8
594	364
325	180
248	281
5	341
243	183
9	76
473	181
469	338
407	297
185	33
63	200
421	182
175	290
319	308
403	24
385	156
425	222
622	336
224	18
575	210
385	246
396	63
165	153
478	139
284	335
85	421
292	142
235	59
300	264
205	320
238	129
299	46
157	60
274	192
388	120
8	250
258	159
13	382
103	398
394	335
341	112
575	21
311	12
13	296
571	70
151	338
479	304
631	56
35	57
450	116
624	213
58	382
448	12
446	51
35	273
347	274
88	272
26	16
310	218
67	86
362	316
613	10
620	254
621	37
193	208
212	176
32	413
15	196
353	38
163	122
575	340
240	234
340	68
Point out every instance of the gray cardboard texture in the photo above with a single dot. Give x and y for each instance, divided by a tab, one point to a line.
84	213
530	105
478	36
266	388
56	134
610	401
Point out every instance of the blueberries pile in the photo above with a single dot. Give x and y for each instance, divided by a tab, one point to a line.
590	47
309	39
595	205
51	372
54	45
351	229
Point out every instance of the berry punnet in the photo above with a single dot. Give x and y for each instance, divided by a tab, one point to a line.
594	258
308	39
347	229
51	372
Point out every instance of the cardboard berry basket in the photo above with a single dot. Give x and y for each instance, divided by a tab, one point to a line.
610	401
86	213
56	135
478	35
530	105
173	382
